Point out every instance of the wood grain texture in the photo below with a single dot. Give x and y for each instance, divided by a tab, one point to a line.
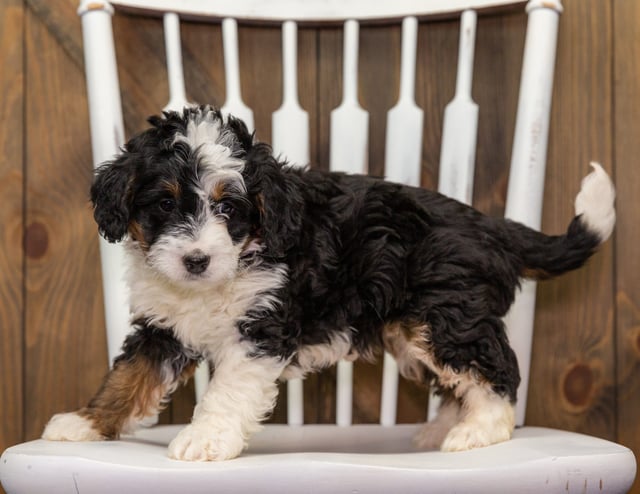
496	92
626	42
11	227
144	85
574	362
64	326
63	23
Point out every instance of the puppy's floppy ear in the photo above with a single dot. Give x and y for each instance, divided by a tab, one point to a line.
111	198
277	197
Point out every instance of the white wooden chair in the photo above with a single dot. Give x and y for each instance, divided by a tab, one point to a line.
335	458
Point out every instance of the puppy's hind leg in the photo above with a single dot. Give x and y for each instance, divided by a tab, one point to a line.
473	414
432	434
487	418
486	387
152	364
407	342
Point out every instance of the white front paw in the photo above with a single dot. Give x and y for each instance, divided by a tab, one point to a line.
70	427
200	442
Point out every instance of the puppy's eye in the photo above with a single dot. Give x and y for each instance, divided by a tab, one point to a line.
223	208
167	205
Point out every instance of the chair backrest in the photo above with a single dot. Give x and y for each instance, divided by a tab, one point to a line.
349	125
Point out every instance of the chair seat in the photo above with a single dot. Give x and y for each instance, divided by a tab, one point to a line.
323	459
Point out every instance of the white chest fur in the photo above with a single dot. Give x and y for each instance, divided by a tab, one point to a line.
202	316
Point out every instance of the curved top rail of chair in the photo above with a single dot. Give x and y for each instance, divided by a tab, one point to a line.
310	11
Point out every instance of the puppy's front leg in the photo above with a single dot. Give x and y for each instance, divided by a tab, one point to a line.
153	362
241	394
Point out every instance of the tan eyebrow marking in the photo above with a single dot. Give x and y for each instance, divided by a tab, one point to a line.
172	187
218	191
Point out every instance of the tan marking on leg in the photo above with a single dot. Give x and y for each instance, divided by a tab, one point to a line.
410	345
312	358
405	343
484	417
131	392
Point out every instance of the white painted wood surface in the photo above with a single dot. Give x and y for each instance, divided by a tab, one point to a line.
290	123
233	104
389	392
528	163
314	10
460	124
324	459
173	48
349	135
405	121
107	137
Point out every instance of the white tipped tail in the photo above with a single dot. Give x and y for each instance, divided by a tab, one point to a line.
595	202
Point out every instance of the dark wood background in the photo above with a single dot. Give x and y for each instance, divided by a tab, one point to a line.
586	362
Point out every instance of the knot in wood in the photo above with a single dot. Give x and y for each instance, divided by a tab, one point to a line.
578	385
36	240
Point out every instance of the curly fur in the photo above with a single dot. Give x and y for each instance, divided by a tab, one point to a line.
268	271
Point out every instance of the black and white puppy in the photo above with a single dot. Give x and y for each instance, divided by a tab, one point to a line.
271	272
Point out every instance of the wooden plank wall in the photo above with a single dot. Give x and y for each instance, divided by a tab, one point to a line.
626	149
586	363
578	371
11	223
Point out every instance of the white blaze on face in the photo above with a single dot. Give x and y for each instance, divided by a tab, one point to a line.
204	234
213	143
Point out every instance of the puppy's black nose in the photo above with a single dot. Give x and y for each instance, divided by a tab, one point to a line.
196	262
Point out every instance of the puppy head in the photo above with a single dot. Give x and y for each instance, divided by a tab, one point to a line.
195	196
177	194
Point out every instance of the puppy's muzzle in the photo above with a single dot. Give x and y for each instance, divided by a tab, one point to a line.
196	262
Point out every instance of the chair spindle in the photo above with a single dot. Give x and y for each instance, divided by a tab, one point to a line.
403	153
528	161
233	104
173	47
